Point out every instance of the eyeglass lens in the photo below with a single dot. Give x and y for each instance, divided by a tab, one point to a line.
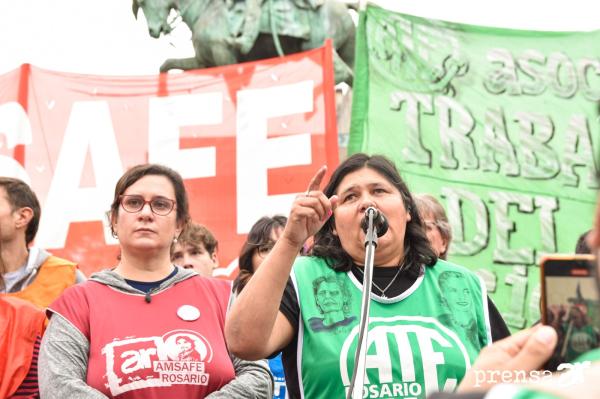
158	205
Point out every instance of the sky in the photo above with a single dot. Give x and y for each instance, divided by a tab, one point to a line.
83	36
102	36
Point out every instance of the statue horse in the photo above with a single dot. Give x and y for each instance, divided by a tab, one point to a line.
215	24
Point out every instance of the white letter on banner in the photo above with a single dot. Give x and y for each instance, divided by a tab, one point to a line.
167	114
255	153
456	126
505	226
89	128
535	153
457	202
578	151
15	126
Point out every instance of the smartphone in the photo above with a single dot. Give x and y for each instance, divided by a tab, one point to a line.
570	304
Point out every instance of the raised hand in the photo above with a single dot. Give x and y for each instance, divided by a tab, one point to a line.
310	211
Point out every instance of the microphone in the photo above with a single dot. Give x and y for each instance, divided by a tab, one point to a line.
379	221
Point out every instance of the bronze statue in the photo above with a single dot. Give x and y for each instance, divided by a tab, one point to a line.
231	31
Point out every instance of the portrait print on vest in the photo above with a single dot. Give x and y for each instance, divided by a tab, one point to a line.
333	299
456	298
409	355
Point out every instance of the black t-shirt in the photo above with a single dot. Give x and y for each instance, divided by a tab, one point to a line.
147	286
381	277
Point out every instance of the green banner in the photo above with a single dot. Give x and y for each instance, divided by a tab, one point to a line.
501	125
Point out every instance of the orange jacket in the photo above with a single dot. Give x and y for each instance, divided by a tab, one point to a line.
53	277
20	324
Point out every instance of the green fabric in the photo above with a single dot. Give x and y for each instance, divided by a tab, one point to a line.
500	125
527	394
581	341
420	342
592	356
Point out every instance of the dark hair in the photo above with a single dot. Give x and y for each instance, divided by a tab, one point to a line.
417	250
20	195
582	246
260	234
195	234
136	173
429	205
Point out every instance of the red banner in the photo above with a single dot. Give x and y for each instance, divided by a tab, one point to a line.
246	138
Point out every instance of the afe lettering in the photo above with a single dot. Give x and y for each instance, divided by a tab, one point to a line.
226	131
90	130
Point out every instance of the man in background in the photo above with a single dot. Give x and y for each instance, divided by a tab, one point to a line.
196	248
28	272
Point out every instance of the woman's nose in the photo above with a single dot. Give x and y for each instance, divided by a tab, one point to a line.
365	202
146	211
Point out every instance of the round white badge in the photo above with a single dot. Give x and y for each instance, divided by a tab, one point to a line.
188	312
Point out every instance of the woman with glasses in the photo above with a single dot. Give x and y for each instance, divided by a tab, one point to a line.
121	333
262	237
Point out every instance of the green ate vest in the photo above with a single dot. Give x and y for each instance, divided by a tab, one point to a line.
419	342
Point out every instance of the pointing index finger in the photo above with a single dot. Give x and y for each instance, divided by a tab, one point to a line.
315	182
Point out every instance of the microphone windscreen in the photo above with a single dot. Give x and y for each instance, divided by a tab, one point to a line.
379	221
382	224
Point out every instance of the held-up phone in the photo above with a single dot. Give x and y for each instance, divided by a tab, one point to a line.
570	304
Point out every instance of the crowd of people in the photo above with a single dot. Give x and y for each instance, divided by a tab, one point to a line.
157	325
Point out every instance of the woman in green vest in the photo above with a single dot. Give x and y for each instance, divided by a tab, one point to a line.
428	320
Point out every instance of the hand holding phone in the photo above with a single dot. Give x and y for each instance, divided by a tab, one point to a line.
570	305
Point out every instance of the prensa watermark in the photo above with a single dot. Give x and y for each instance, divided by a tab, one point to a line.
568	374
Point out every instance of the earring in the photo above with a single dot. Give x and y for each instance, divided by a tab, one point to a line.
174	240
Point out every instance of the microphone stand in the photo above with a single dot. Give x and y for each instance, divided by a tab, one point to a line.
355	390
